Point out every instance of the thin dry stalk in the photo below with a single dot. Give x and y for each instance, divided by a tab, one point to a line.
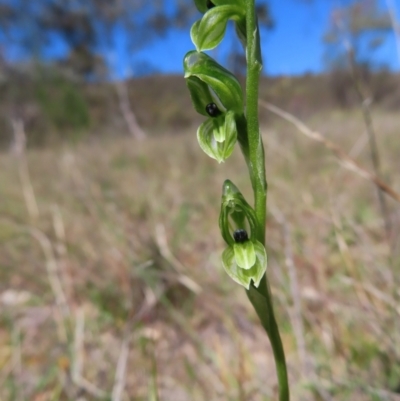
19	149
348	259
378	294
297	318
120	373
6	371
61	250
365	103
346	161
241	375
59	230
52	271
17	359
395	24
52	268
382	394
166	253
77	366
296	314
129	116
223	367
358	145
153	385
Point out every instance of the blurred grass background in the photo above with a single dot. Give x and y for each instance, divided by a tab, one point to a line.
126	248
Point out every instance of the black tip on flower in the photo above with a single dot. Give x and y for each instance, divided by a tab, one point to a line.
240	236
210	4
212	110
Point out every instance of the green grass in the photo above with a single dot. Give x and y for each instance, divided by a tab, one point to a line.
133	225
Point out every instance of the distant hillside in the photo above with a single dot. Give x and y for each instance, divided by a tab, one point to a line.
164	100
53	108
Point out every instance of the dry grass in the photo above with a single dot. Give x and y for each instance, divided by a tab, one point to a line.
116	290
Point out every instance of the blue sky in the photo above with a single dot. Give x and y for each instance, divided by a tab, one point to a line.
294	46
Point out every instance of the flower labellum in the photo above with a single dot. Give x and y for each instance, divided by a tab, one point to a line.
245	262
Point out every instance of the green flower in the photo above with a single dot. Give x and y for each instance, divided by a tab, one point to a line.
245	258
235	214
217	136
217	94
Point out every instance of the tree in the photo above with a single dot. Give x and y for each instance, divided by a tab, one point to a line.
86	29
355	32
81	26
362	23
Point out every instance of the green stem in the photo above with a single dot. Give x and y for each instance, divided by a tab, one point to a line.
260	297
262	302
256	149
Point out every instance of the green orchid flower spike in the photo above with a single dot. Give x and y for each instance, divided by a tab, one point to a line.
217	94
208	32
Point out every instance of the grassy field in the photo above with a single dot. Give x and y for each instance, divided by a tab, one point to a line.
116	290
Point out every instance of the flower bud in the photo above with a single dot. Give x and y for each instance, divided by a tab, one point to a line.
208	32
